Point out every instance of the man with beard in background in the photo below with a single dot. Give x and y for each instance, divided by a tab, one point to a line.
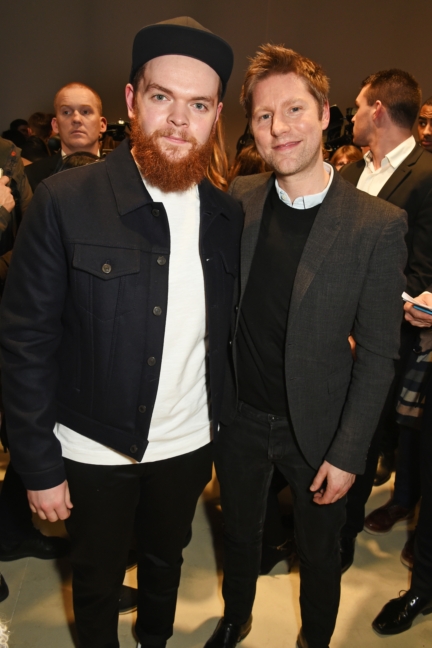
115	323
424	125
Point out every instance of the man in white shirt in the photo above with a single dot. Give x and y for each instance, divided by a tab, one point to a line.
399	171
114	369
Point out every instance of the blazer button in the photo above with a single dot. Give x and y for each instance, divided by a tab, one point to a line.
161	260
134	449
155	212
157	310
142	409
106	268
151	361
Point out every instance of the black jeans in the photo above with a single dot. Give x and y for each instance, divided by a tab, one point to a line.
15	515
245	455
158	501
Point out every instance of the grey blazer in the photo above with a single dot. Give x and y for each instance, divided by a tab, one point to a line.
350	276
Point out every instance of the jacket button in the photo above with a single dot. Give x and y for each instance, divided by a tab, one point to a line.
157	310
151	361
155	212
133	449
106	268
142	409
161	260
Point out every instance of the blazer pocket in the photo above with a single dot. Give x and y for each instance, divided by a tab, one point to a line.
105	279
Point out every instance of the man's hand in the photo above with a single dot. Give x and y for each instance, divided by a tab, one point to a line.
338	484
6	198
51	504
416	317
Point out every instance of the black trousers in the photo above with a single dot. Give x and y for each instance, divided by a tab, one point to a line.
421	583
15	515
245	455
158	501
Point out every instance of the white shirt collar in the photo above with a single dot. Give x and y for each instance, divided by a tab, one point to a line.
64	155
394	158
306	202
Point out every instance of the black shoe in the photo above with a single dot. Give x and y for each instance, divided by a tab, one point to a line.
228	635
398	614
271	556
384	469
128	600
347	548
37	546
301	641
4	590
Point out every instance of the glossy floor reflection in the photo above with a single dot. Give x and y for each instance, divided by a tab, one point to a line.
38	612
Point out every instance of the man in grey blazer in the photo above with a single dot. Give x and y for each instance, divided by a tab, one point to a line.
319	258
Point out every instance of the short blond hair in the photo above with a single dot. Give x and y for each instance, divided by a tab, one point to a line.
76	84
277	59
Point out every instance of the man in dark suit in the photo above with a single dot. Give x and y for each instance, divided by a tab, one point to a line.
114	328
318	258
398	614
399	171
78	122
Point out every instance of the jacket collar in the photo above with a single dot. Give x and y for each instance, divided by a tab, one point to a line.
403	171
131	194
354	170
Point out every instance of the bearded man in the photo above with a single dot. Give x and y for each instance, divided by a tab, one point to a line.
115	324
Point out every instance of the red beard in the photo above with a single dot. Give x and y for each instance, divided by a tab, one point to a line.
169	173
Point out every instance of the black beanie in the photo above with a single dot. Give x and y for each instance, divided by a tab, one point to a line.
184	36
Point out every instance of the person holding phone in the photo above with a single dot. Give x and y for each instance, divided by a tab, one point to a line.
399	613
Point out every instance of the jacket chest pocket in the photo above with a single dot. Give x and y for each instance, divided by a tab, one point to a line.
105	279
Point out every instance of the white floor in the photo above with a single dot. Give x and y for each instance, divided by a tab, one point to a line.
38	612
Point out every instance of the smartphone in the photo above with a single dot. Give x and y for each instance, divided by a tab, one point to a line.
423	309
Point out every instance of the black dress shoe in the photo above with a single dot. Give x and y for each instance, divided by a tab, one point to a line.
347	548
228	635
128	599
301	641
271	556
4	590
37	546
384	469
398	614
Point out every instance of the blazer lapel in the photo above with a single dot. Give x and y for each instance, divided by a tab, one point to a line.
353	171
401	174
253	209
321	238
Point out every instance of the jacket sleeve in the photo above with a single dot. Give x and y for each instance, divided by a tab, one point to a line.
23	185
30	333
377	334
419	266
